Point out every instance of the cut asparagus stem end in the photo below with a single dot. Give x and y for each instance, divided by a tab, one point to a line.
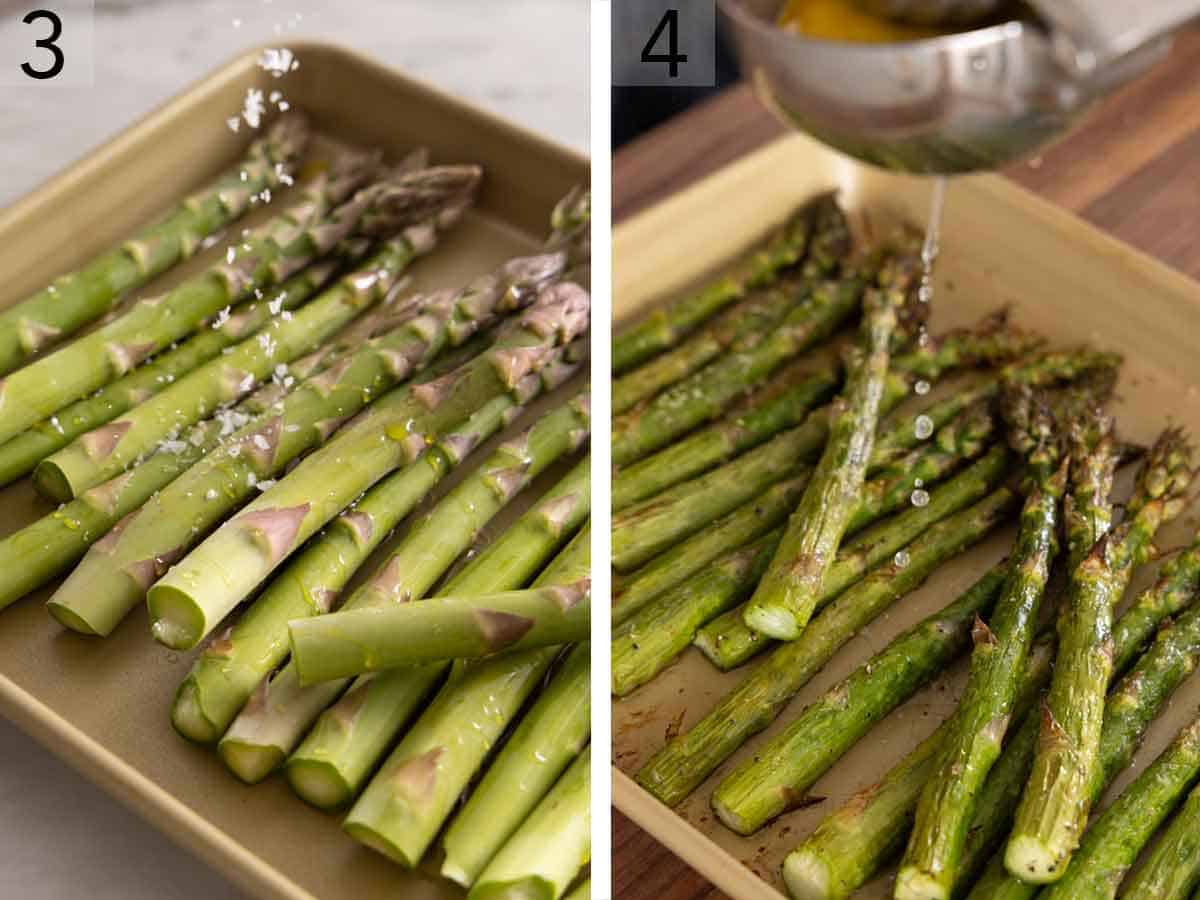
731	819
807	877
453	872
175	620
531	888
187	715
912	884
68	618
1032	861
94	612
774	623
50	481
369	837
250	762
318	783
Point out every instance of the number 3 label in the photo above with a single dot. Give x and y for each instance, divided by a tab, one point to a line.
46	43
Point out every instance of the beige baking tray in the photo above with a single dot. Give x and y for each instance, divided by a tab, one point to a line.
103	705
1000	245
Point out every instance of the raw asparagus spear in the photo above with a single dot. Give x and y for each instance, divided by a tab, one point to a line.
679	767
770	410
1172	870
34	392
1131	707
234	663
199	591
548	738
333	763
664	327
854	843
780	773
108	584
932	860
892	489
645	530
514	556
377	637
1114	840
743	325
786	596
704	395
411	797
48	547
728	643
110	449
1054	810
73	300
19	455
551	846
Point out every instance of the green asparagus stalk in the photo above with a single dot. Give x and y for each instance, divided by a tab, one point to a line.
1172	591
193	597
374	638
19	455
583	892
108	584
787	595
931	862
335	760
891	489
542	746
646	643
704	395
737	329
854	842
238	660
1054	811
663	327
38	390
75	299
646	529
48	547
333	763
1113	842
514	556
852	845
414	792
769	411
1131	707
550	848
110	449
1172	870
780	773
743	325
728	643
679	767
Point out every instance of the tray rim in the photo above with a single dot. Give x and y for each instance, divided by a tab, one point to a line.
87	756
661	822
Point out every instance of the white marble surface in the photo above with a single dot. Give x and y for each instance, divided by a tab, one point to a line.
61	838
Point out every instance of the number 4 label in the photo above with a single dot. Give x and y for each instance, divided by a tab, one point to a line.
670	24
664	42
